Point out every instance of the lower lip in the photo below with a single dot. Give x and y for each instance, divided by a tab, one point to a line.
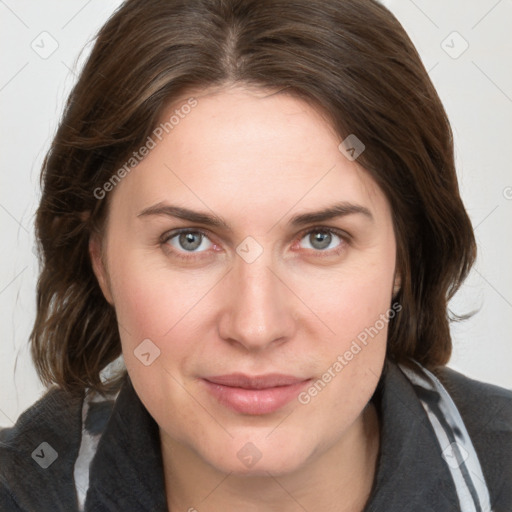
255	401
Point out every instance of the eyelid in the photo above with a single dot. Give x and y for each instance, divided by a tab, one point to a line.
174	232
337	231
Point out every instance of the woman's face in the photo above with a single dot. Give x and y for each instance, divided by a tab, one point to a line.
259	282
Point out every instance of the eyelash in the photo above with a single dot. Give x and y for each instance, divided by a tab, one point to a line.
345	238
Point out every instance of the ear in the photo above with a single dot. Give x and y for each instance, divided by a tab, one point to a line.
99	267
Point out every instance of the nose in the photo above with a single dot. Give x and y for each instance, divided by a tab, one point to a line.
258	308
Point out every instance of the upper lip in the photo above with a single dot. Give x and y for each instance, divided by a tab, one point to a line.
240	380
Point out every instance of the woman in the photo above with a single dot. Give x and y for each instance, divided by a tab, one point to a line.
254	203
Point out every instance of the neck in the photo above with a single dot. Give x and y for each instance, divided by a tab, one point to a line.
340	479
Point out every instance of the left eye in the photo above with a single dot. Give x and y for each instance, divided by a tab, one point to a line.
320	239
189	241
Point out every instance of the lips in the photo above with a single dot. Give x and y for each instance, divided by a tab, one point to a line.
239	380
257	394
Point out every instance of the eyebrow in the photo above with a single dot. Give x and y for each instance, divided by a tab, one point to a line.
337	210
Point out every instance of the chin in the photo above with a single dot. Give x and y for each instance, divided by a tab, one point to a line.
258	458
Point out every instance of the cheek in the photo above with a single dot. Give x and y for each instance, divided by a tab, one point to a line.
146	303
149	295
354	308
349	358
350	299
168	307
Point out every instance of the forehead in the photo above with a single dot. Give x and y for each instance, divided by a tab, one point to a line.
246	149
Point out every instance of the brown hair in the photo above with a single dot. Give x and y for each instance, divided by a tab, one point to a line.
350	58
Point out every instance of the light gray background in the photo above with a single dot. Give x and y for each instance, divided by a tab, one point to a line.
475	86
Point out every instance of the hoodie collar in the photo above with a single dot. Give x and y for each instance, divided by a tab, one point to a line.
411	473
127	470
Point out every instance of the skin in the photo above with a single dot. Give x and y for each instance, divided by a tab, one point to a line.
255	159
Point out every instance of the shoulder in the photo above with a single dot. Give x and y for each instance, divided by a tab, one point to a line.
40	450
484	407
486	410
53	416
